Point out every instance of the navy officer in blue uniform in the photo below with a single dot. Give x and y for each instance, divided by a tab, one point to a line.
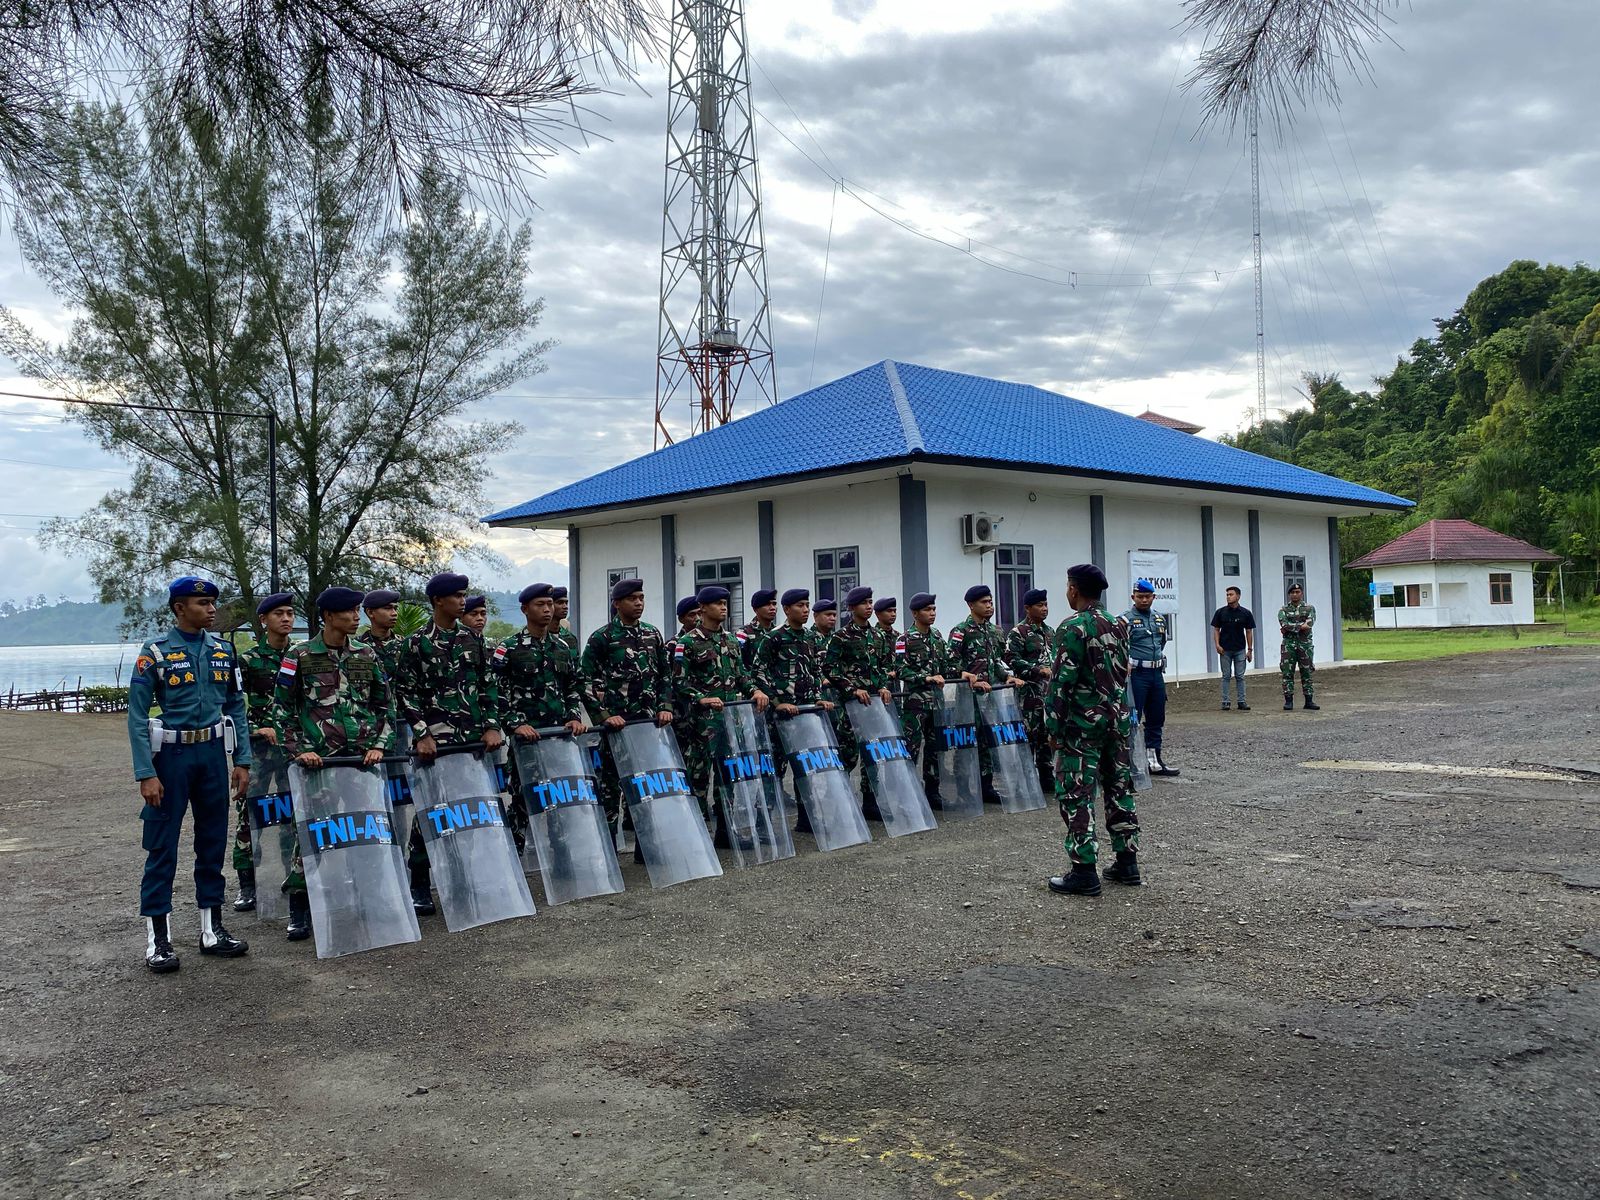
1148	634
180	761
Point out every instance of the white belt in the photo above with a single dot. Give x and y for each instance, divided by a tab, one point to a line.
189	737
1154	664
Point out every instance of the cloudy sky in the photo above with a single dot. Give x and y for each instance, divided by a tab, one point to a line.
1109	234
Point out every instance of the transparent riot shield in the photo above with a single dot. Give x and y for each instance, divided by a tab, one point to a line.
270	809
1139	759
352	863
1004	734
753	809
820	780
886	761
960	784
397	772
666	816
470	849
567	829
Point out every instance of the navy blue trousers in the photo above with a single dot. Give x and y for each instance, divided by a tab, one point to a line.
1150	698
193	777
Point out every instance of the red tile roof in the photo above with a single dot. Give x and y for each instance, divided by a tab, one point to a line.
1156	418
1453	541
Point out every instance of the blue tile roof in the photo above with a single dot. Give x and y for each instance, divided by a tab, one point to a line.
899	411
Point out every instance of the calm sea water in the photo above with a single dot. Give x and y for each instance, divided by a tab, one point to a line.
31	668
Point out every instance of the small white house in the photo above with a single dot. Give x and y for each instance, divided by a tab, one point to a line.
912	479
1453	573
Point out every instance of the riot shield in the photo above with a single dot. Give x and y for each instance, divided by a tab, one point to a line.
1139	759
270	809
820	780
886	761
354	867
567	829
1005	735
470	849
397	781
753	809
960	784
666	816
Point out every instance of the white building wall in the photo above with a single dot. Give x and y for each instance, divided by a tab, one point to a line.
865	514
1158	525
1285	533
1465	587
1232	527
607	547
729	530
1433	608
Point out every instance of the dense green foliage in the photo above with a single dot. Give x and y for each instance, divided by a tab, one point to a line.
1495	419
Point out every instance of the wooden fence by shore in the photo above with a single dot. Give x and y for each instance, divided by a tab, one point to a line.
79	700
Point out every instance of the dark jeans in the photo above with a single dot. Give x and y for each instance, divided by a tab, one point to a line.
1150	698
1233	665
193	776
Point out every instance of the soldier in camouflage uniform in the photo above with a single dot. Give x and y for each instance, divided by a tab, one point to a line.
331	699
922	661
1295	620
886	609
1087	720
475	615
763	620
854	664
790	670
708	670
562	629
447	695
688	611
1028	652
383	613
258	668
977	649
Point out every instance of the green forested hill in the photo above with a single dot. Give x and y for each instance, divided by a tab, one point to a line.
1495	419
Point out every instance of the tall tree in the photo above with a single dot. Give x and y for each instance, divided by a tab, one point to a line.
212	276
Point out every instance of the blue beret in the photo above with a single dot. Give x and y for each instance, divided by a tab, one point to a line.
857	595
1144	585
885	604
446	584
822	606
759	599
340	599
1091	580
535	591
978	591
795	596
276	600
476	602
687	605
922	600
558	592
1034	596
624	588
188	586
711	593
381	598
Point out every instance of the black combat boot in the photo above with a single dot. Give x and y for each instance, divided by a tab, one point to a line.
1082	880
802	823
246	900
422	891
990	796
299	917
214	939
720	840
1288	702
1047	779
1125	869
1309	706
158	953
1158	766
935	800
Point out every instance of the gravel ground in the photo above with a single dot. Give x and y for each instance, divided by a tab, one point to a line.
1334	983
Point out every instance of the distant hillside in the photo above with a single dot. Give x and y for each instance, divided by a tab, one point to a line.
68	623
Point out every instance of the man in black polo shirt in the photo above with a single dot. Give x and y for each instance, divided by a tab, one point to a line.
1233	631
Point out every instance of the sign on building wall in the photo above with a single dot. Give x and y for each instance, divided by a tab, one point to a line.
1160	567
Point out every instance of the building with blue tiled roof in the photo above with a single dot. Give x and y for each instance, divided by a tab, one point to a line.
910	478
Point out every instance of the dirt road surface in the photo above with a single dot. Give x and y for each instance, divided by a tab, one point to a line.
1335	983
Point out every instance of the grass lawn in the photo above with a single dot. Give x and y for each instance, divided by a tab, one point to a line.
1408	644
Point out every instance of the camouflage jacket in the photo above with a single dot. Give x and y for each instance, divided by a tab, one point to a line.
854	659
750	638
446	689
571	639
258	669
919	657
823	641
625	671
888	638
388	651
790	667
1292	615
1028	652
333	701
709	664
979	647
1091	674
538	681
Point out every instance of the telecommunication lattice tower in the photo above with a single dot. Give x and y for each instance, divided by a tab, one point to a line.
715	331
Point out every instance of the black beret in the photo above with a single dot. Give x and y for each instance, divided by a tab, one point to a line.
857	595
476	602
340	599
923	600
445	584
822	606
1034	596
382	598
276	600
763	598
624	588
535	591
558	592
978	591
885	604
187	586
687	605
711	593
795	596
1295	587
1091	580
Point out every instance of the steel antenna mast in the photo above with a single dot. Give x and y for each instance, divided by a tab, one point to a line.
715	331
1255	250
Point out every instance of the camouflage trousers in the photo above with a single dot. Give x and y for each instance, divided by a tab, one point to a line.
921	725
1296	652
1087	761
697	738
1038	739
